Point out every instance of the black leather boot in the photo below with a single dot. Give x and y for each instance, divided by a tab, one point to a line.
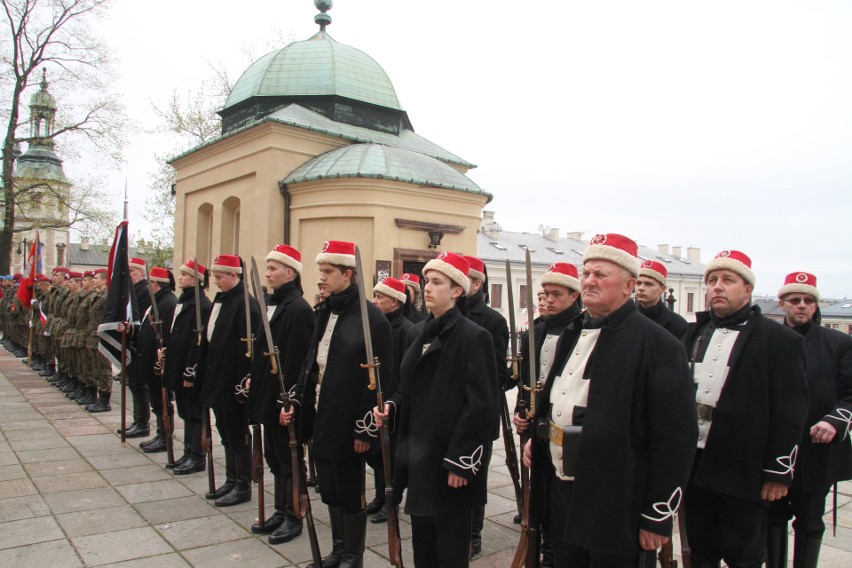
230	477
67	386
135	415
142	411
806	551
292	527
241	492
90	397
187	436
354	540
277	518
158	442
335	517
102	405
78	393
477	520
776	546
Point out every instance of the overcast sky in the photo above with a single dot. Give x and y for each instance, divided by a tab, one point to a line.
713	124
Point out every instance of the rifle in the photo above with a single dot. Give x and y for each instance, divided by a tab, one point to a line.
206	431
301	499
685	552
157	324
372	366
257	470
527	552
505	422
666	556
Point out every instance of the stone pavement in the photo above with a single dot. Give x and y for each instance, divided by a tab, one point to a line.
71	495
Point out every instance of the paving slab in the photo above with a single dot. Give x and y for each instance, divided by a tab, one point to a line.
45	443
53	554
84	500
163	561
69	482
84	523
45	469
16	488
153	491
174	510
56	454
247	552
13	471
112	547
206	531
29	531
23	508
118	460
135	474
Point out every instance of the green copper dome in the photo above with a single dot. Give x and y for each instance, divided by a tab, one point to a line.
319	66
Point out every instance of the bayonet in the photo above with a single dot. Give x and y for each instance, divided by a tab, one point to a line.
505	416
199	326
372	366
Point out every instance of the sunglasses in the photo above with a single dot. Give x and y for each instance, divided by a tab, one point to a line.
797	301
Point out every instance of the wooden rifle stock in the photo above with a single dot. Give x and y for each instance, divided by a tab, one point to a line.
394	541
257	470
207	448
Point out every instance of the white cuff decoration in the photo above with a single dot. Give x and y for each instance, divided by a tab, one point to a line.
786	462
366	425
843	415
189	372
472	462
242	388
666	509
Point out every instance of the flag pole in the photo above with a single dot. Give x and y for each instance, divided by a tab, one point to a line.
124	343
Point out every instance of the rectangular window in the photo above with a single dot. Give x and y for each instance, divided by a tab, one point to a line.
522	297
690	302
496	296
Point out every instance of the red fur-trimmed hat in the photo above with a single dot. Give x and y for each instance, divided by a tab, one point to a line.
562	274
614	248
341	253
733	260
452	265
410	280
477	268
227	263
393	288
801	283
188	267
137	263
158	274
655	270
286	255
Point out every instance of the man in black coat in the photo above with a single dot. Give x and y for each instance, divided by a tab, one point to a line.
445	409
650	289
162	284
415	311
489	319
341	423
824	456
615	430
224	371
137	380
181	368
751	400
291	321
390	297
559	309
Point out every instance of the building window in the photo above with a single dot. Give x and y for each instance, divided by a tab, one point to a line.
522	297
690	301
204	234
60	255
496	296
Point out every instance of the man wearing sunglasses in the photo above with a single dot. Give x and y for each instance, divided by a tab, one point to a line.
751	399
825	455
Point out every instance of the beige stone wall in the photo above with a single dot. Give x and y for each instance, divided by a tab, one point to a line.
229	201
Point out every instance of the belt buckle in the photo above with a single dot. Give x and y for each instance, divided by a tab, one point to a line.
555	434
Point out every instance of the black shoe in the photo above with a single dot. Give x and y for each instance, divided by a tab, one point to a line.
286	532
272	523
158	446
380	517
102	405
375	505
517	519
475	548
138	431
222	491
178	462
152	441
190	466
235	497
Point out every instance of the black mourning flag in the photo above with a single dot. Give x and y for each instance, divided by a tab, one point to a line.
120	305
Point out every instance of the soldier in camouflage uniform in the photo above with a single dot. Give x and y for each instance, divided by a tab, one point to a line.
65	333
101	368
58	294
87	393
